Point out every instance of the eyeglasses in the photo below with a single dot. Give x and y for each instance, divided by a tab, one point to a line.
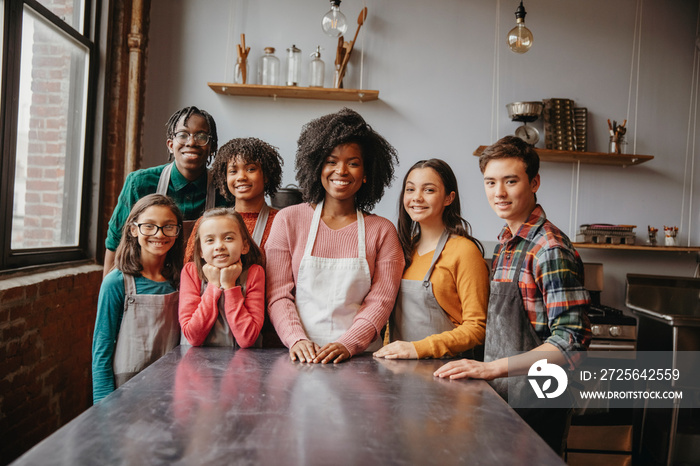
149	229
200	139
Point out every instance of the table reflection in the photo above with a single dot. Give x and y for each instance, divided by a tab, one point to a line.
255	406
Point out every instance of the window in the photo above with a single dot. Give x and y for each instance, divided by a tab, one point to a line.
49	63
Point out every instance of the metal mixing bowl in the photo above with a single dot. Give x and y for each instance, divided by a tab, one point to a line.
524	111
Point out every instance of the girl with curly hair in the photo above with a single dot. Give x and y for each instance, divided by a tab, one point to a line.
333	269
244	171
441	307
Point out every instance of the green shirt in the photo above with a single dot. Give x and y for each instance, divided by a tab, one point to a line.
110	310
190	197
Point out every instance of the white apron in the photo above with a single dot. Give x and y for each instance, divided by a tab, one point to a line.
162	188
329	292
149	329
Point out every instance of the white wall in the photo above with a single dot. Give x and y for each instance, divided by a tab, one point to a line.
435	65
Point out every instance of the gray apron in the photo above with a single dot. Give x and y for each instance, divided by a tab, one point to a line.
162	188
508	330
149	329
417	314
508	333
220	334
260	224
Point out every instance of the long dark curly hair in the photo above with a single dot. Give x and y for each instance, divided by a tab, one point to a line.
318	139
186	113
128	255
250	150
409	231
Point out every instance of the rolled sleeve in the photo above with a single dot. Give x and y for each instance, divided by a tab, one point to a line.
560	278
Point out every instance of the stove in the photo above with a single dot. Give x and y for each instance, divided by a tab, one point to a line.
611	329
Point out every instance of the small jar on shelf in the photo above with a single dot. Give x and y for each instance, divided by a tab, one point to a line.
293	66
317	69
269	69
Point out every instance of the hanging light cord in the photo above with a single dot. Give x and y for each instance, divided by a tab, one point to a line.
692	116
636	49
494	83
691	138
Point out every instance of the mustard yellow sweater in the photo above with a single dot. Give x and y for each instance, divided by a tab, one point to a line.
460	282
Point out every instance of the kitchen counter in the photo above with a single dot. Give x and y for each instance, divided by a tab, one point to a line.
255	406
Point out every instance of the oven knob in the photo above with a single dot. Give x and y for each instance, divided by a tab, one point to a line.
595	330
615	331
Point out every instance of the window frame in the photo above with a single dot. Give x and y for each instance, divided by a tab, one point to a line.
9	100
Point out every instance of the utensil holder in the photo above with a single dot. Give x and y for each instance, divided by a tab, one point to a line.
617	145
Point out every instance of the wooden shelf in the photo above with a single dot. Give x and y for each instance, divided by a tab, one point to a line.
295	92
634	247
595	158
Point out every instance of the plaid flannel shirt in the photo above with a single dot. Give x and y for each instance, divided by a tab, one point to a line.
551	282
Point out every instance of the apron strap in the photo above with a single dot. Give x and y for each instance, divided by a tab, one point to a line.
164	180
316	221
261	224
211	192
438	250
519	265
129	284
361	249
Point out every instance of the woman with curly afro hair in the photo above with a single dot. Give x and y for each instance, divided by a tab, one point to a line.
333	269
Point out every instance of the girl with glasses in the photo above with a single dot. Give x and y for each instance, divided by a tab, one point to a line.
222	293
137	320
191	140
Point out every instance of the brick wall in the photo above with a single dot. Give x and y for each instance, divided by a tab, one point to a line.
46	325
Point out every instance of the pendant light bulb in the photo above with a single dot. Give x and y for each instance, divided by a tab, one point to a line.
334	22
520	37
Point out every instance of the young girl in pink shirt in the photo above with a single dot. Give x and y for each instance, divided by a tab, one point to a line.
222	293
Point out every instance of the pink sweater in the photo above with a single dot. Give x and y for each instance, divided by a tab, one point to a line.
285	249
244	315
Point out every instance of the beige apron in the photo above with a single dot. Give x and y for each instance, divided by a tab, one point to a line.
162	188
329	292
417	314
149	329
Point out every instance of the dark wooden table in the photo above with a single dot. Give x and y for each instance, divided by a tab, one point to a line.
220	406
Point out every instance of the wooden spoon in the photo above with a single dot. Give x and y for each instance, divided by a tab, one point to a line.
242	58
360	21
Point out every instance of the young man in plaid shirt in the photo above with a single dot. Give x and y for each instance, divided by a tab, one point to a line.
538	307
